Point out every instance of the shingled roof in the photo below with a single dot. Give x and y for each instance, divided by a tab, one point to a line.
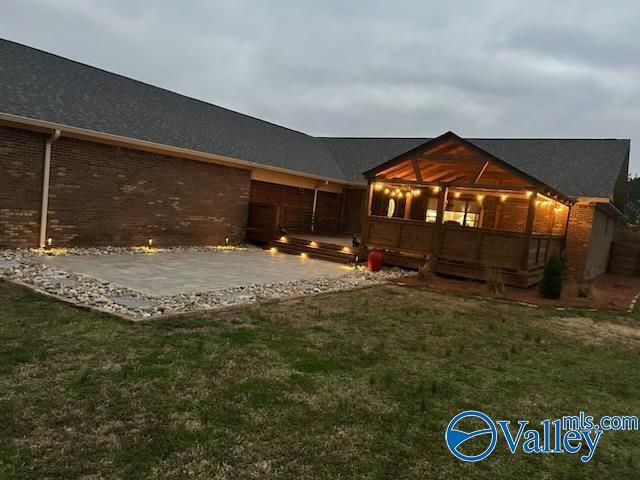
42	86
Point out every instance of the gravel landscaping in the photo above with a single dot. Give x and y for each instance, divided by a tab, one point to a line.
25	267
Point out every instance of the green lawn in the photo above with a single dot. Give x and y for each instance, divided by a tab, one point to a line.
353	385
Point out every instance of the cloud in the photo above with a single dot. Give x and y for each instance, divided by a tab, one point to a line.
368	68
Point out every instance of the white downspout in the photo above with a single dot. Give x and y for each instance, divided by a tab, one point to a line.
45	187
313	211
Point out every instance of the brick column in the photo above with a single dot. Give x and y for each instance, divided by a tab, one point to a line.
578	238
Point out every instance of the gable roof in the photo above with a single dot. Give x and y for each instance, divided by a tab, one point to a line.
574	167
42	86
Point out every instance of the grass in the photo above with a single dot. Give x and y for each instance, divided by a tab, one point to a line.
351	385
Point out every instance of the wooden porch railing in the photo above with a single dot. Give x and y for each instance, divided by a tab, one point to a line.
475	246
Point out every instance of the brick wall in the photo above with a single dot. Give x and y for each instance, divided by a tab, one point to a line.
512	214
21	164
578	239
108	195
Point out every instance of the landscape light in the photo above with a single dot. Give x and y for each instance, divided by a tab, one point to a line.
304	255
313	244
283	239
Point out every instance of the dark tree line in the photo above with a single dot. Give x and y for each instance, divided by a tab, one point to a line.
633	200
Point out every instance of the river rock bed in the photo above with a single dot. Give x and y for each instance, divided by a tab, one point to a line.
21	266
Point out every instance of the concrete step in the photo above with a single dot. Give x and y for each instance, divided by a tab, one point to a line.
318	252
293	240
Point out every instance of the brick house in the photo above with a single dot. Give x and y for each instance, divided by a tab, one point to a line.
88	157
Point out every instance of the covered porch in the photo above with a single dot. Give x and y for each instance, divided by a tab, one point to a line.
464	212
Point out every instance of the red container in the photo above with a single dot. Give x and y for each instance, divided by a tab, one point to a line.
375	260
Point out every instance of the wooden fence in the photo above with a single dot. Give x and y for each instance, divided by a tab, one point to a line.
625	258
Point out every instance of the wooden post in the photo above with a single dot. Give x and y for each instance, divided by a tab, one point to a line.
366	214
528	228
438	231
407	206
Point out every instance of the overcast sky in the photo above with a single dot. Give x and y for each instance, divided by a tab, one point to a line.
386	68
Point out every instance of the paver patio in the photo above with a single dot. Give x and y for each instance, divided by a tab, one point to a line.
174	273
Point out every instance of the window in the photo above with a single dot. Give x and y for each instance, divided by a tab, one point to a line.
385	205
462	212
431	212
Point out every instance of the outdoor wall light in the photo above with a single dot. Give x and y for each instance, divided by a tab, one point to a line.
503	198
377	187
416	193
49	241
529	193
435	189
226	241
480	198
456	194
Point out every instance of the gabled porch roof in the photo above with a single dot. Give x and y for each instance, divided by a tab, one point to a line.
453	161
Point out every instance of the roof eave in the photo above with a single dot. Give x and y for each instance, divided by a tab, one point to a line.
169	149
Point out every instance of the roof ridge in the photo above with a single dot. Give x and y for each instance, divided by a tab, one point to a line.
590	139
147	84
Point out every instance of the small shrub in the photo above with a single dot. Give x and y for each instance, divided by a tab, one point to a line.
425	272
551	284
494	281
